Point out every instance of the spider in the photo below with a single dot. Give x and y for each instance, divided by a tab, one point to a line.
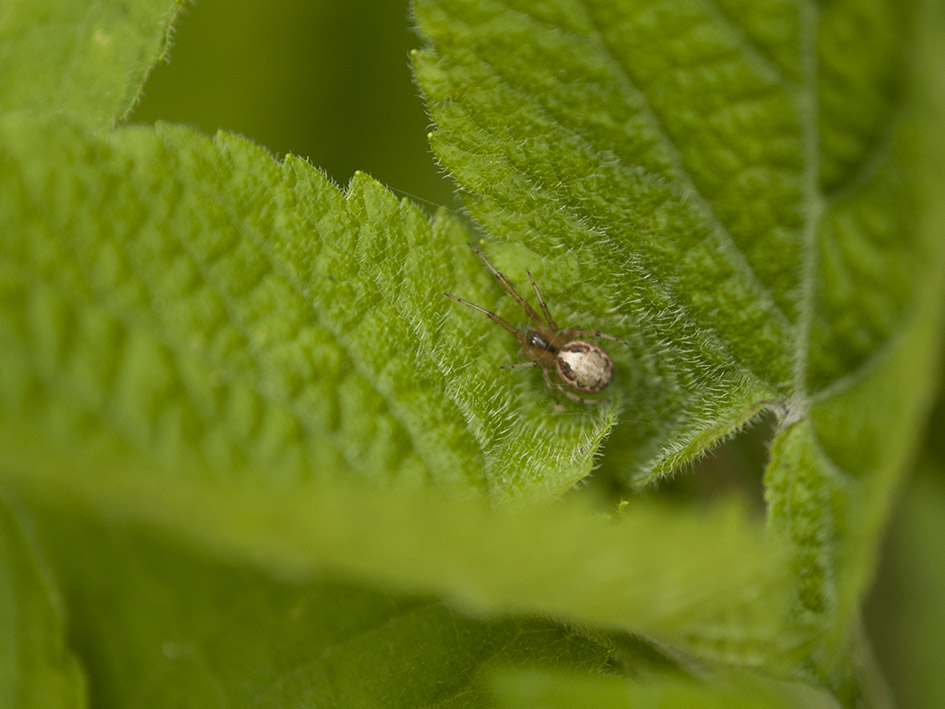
583	367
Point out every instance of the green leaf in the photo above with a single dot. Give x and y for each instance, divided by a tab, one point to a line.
833	478
212	307
185	629
571	133
36	668
205	345
548	690
723	596
226	338
905	609
73	56
755	189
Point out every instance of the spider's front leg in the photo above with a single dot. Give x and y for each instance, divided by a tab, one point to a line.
492	316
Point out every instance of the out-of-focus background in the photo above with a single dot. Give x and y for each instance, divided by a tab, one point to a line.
330	81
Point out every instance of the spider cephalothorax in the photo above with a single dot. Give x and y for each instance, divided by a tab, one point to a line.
583	367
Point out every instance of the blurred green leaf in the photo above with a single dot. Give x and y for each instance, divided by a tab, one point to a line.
536	689
73	56
36	667
185	629
326	80
722	595
906	611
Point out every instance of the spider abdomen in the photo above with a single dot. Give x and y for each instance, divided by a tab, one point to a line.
585	366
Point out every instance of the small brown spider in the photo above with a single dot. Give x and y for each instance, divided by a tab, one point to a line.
584	367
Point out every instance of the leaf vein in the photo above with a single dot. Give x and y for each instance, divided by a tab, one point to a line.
813	201
870	165
680	313
754	50
726	239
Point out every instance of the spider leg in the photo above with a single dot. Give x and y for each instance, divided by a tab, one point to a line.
551	390
492	316
576	332
575	397
541	302
529	310
519	365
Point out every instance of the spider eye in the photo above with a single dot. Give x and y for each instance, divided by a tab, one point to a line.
536	340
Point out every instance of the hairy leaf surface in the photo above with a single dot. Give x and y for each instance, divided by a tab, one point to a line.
222	371
234	349
756	189
72	56
199	302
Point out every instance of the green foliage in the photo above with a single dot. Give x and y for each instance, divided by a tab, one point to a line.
36	668
236	404
301	333
70	56
907	604
186	629
765	205
548	690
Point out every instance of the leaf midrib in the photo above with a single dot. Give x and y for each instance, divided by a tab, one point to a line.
814	203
